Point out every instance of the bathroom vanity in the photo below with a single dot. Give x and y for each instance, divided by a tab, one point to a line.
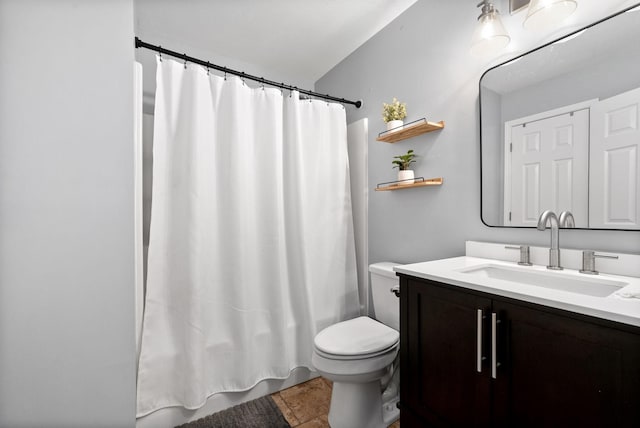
480	349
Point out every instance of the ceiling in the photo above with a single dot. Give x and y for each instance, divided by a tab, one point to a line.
305	38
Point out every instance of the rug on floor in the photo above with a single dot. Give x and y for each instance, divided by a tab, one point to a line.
259	413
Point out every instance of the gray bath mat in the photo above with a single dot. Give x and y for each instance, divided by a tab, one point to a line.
260	413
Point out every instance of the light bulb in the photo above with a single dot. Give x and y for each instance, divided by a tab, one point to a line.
490	36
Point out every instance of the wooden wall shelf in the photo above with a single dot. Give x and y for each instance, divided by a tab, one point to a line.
412	129
398	186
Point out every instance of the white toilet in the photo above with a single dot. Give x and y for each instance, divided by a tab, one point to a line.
358	355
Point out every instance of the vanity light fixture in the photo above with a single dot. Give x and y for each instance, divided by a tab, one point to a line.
490	36
545	14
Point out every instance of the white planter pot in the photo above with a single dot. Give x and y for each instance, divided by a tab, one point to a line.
405	176
396	125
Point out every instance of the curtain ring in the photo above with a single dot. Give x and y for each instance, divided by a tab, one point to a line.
185	61
207	68
160	56
225	73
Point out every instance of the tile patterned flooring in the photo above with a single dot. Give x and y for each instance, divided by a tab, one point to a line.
307	405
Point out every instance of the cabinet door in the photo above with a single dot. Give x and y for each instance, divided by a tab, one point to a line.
560	371
440	382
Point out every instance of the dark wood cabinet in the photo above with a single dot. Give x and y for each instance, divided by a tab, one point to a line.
438	355
546	367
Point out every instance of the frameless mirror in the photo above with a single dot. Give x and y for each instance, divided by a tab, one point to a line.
560	130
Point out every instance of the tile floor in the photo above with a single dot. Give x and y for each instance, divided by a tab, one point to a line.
307	405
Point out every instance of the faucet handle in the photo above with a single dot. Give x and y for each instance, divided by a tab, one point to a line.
524	254
589	261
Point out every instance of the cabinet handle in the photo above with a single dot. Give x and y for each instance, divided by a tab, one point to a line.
479	341
494	353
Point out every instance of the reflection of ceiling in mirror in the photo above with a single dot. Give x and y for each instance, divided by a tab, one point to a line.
609	38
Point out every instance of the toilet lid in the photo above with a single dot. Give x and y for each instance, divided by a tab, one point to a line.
358	336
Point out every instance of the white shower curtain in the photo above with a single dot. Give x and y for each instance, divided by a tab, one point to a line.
251	246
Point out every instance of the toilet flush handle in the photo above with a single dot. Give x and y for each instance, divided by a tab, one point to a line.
395	290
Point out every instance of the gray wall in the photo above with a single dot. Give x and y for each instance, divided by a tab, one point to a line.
423	59
610	76
492	158
66	214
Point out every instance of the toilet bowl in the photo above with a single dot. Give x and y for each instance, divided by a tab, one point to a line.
357	354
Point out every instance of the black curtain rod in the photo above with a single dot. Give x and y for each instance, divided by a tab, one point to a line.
160	49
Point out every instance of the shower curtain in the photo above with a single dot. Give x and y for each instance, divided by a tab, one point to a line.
251	246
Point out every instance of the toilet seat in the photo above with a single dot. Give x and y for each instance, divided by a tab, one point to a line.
391	348
357	338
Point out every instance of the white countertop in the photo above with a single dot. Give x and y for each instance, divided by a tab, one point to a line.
612	307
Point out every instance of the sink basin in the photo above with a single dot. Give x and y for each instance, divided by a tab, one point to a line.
590	286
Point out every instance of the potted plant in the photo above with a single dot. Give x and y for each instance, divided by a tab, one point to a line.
393	114
403	163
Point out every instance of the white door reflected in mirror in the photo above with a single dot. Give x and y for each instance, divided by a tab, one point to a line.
547	167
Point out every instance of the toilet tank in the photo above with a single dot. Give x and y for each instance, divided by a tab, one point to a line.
386	306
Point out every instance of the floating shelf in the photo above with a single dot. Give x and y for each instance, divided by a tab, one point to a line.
397	185
412	129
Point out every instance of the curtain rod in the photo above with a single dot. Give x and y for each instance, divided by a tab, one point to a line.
161	50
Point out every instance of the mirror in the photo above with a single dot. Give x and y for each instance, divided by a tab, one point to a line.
560	130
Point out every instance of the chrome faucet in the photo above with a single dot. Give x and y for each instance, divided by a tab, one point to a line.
549	217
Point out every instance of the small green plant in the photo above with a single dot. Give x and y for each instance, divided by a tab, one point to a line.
403	162
394	111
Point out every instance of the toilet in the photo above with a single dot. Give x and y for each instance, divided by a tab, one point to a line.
359	356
